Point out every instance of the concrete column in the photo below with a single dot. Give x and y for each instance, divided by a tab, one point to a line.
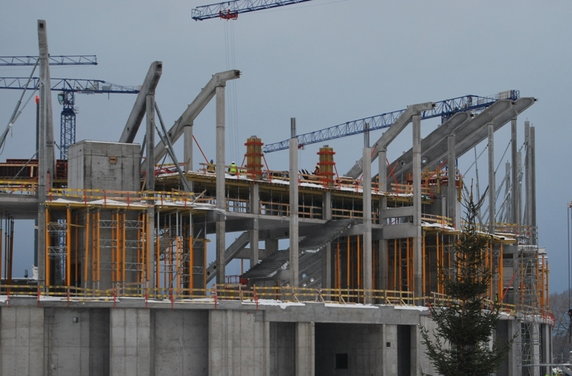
150	141
270	246
220	185
254	233
149	246
188	147
389	355
294	253
327	251
22	341
131	342
451	184
514	332
533	185
515	187
535	348
383	186
305	350
366	197
417	269
492	183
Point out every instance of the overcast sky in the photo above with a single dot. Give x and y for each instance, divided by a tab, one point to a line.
324	62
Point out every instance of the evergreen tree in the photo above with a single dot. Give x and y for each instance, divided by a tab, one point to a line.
461	344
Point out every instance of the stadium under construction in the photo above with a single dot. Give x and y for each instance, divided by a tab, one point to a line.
336	270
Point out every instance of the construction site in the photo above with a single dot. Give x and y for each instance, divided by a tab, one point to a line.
322	272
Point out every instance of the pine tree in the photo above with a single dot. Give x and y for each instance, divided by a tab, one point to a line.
464	325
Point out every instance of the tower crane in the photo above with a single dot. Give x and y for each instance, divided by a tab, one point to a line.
444	109
67	88
229	10
53	60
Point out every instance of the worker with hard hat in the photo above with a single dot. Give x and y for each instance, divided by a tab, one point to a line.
233	169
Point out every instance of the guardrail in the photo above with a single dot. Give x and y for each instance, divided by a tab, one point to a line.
253	294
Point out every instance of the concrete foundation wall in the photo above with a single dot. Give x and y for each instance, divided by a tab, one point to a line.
181	342
348	349
134	338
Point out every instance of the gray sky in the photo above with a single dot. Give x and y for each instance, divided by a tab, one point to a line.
324	62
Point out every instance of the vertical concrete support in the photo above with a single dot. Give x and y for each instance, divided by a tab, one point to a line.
514	352
220	186
389	354
294	254
515	164
327	251
417	261
131	342
535	348
383	186
238	343
22	341
492	183
45	147
451	182
188	147
270	245
532	161
150	141
305	351
254	233
149	246
366	197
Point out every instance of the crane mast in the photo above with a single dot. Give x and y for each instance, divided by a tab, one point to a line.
229	10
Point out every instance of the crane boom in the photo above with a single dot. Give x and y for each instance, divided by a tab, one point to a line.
53	60
231	9
86	86
445	109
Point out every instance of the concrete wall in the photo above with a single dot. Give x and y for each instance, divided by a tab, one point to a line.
22	341
76	341
282	348
181	342
131	342
103	165
348	349
238	343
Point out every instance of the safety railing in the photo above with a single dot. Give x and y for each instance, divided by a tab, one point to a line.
252	294
18	187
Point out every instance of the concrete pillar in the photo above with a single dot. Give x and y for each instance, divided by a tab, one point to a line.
417	261
327	251
22	341
188	147
254	233
366	197
294	253
514	332
131	342
238	343
515	166
150	141
389	355
305	350
533	185
271	245
492	183
451	183
220	185
382	181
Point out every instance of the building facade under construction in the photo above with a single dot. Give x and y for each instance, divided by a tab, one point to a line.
314	273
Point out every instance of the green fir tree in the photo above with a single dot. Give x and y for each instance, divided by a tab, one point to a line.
460	344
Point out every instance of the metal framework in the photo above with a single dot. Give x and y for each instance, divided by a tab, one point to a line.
229	10
444	109
68	88
53	60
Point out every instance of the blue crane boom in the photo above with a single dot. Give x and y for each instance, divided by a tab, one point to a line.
53	60
445	109
86	86
67	88
231	9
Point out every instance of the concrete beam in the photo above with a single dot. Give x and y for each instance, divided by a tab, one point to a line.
139	108
194	109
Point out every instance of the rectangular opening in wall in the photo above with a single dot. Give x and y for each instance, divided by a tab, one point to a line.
403	350
342	361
